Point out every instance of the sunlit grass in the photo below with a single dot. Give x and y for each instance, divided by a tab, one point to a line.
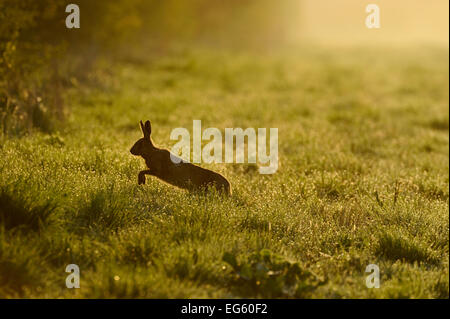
363	179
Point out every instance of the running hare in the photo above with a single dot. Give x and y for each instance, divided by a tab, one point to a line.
183	175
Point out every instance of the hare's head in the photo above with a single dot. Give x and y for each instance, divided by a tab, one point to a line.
143	145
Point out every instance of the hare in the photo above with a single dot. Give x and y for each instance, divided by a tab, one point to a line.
183	175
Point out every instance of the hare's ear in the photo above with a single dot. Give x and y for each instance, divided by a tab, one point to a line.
142	127
147	129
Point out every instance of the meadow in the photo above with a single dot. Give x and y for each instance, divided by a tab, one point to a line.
363	179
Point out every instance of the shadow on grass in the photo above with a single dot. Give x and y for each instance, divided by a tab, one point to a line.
396	247
16	212
439	124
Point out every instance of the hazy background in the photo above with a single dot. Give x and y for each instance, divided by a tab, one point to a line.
39	56
403	22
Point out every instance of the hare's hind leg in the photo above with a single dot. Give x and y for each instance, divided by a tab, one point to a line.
227	189
141	176
223	187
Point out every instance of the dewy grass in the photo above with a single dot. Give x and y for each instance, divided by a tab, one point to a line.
363	179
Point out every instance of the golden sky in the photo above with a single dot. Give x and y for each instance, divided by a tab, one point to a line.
401	21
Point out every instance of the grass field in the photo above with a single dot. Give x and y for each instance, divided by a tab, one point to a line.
363	179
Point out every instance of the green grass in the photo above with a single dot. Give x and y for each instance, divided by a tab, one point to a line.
363	179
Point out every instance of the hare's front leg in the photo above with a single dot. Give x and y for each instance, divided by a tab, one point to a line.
141	176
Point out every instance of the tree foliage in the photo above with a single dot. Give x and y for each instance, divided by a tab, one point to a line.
38	54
